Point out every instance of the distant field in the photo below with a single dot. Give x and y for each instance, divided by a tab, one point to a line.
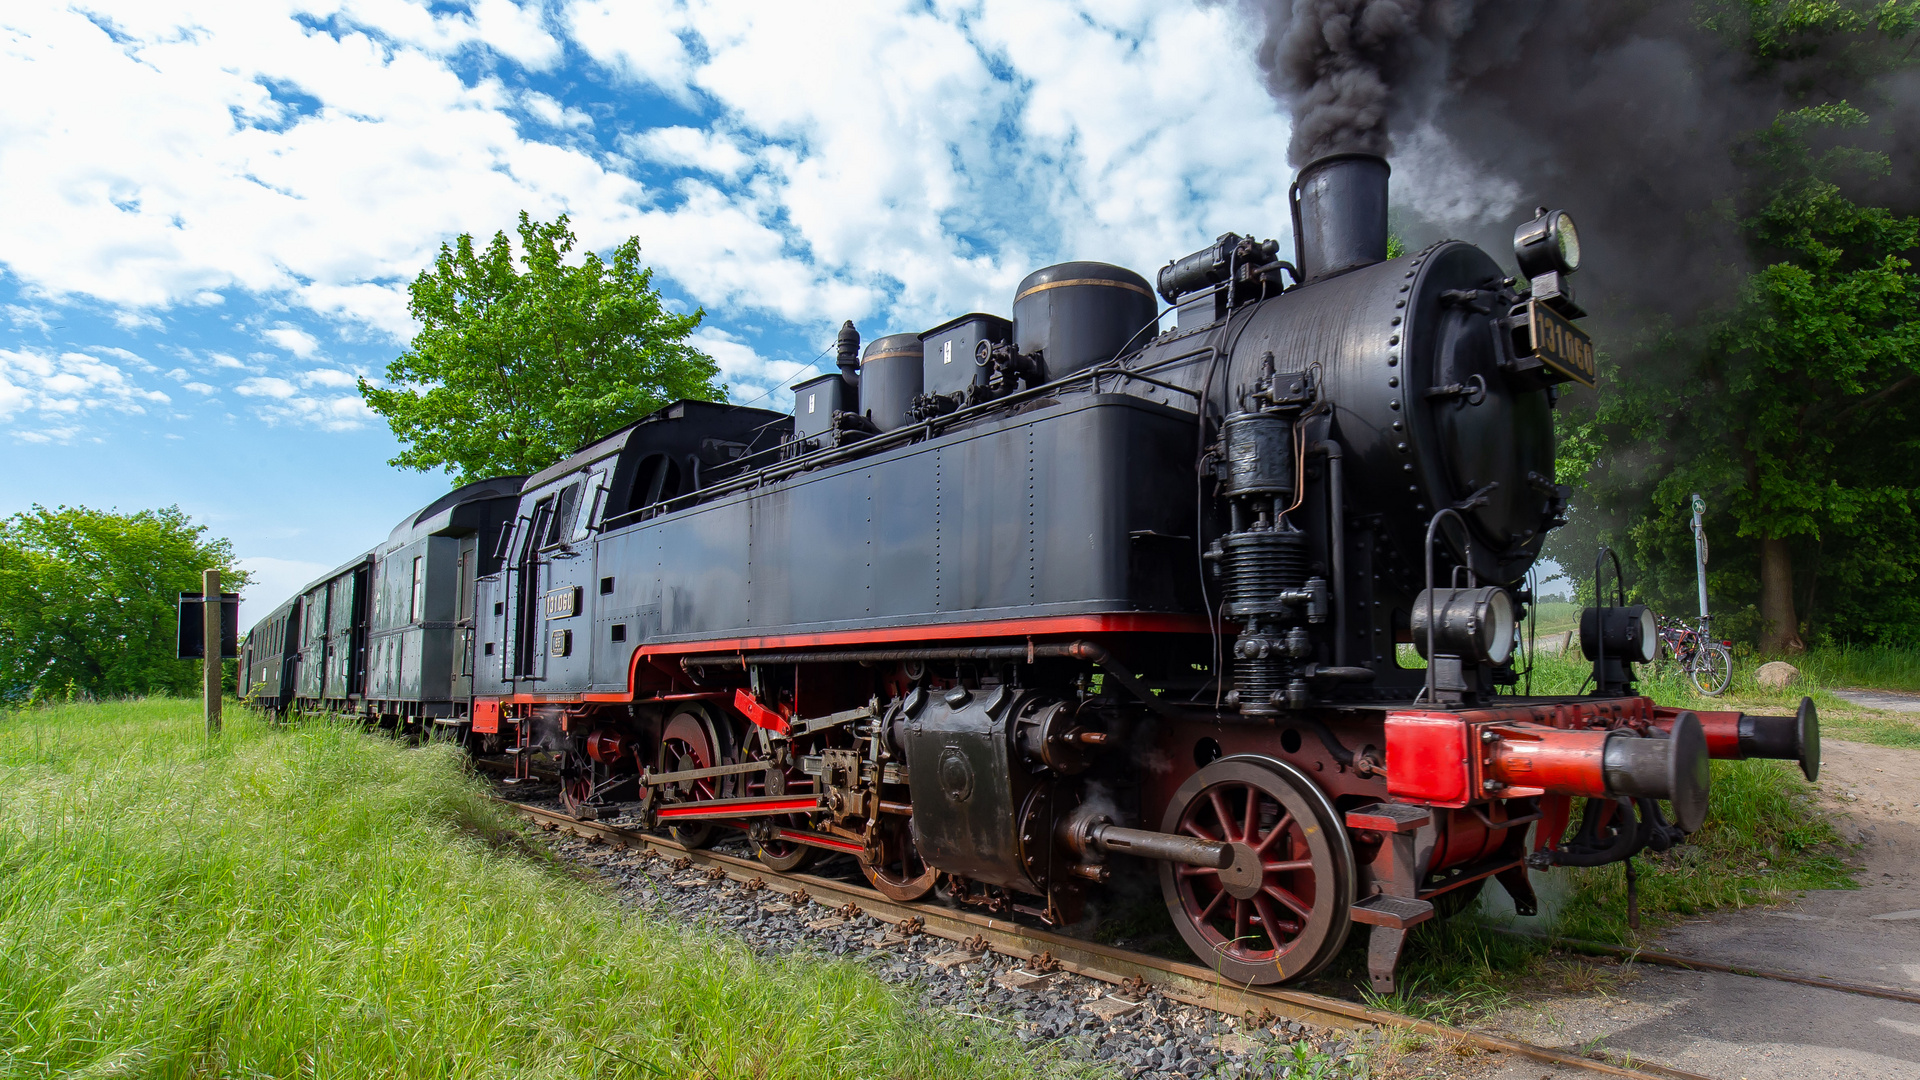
1554	617
313	901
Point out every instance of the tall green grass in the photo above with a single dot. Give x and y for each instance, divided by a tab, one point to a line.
311	901
1764	838
1872	667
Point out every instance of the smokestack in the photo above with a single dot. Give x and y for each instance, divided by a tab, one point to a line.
1339	214
847	354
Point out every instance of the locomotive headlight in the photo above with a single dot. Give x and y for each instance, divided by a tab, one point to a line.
1629	632
1474	624
1549	244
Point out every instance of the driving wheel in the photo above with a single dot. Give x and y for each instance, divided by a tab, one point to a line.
689	741
898	872
777	855
1279	912
576	783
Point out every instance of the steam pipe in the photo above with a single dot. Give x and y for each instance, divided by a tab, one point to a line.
1337	530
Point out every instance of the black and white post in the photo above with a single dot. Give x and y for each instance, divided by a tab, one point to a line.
1700	552
210	625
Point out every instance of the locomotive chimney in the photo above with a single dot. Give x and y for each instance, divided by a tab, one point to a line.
1339	214
847	354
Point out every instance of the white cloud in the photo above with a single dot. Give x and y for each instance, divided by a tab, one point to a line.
943	154
268	387
201	388
331	377
752	378
707	151
235	148
552	113
46	397
293	339
24	317
281	400
136	320
889	161
641	40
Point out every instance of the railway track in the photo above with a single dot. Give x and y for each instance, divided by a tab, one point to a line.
1184	982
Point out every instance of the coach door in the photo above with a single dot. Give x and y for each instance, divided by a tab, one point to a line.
346	638
289	668
313	644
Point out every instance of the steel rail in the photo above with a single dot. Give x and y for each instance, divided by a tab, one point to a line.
1185	982
1694	963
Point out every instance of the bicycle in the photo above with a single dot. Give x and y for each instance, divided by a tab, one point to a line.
1708	663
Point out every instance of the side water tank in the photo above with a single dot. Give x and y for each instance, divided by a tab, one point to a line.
890	378
1079	314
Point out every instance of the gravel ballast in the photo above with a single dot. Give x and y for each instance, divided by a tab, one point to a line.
1139	1035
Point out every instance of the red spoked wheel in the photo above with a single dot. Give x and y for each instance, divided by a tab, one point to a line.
1280	911
777	855
898	872
576	783
689	741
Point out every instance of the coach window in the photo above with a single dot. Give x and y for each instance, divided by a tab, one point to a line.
417	604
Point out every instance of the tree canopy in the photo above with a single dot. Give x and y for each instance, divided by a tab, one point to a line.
1791	411
516	367
87	600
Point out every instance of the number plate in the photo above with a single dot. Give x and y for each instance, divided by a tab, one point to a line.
1561	345
565	603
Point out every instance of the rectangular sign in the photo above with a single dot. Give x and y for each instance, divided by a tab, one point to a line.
565	603
190	623
1560	345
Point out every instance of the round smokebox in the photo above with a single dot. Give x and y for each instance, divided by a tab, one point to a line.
890	378
1079	314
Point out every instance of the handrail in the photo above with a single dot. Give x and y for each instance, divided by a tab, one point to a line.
1432	526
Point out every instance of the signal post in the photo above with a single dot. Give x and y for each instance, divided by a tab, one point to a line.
210	646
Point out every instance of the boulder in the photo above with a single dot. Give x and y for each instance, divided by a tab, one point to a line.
1776	675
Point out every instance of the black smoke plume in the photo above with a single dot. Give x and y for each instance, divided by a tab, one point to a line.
1627	113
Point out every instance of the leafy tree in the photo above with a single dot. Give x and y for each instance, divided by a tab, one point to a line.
1791	411
514	369
87	600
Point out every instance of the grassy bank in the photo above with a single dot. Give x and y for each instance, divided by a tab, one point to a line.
310	901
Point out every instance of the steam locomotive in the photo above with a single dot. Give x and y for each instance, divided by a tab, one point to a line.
1013	610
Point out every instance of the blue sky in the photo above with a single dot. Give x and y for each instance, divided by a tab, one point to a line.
212	209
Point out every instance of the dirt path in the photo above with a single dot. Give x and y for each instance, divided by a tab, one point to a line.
1890	700
1738	1028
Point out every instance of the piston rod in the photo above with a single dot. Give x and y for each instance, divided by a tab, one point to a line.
1166	847
1088	833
